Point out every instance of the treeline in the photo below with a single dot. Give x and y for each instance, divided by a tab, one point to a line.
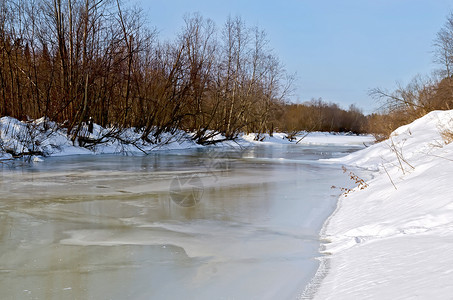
318	115
422	95
73	60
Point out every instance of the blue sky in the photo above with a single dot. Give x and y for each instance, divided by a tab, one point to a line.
339	49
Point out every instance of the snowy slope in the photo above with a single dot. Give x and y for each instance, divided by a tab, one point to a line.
393	240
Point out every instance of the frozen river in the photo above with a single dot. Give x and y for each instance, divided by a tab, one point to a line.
126	227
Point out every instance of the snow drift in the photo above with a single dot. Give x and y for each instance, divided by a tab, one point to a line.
393	239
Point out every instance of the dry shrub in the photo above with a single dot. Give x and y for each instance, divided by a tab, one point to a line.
383	124
359	182
447	136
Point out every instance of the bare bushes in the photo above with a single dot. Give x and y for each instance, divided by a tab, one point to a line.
72	60
404	105
422	94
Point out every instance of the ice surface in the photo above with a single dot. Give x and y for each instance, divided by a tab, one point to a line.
105	227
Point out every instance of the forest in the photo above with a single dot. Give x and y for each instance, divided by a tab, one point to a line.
74	60
78	60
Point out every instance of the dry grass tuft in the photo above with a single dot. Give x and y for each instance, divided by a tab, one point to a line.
447	136
359	182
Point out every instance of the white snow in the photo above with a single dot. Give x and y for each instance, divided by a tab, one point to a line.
313	138
393	240
326	138
32	136
39	136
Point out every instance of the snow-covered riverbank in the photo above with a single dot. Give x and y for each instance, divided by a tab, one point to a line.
39	138
393	240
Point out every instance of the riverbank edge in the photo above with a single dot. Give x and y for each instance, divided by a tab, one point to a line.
430	133
324	259
33	140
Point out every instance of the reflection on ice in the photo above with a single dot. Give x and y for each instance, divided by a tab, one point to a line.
104	227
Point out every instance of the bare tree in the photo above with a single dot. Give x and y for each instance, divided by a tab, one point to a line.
71	60
443	51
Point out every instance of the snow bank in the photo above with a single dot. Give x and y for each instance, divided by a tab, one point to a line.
313	138
45	138
393	239
35	137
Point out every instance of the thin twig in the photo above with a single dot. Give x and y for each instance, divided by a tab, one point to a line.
389	177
